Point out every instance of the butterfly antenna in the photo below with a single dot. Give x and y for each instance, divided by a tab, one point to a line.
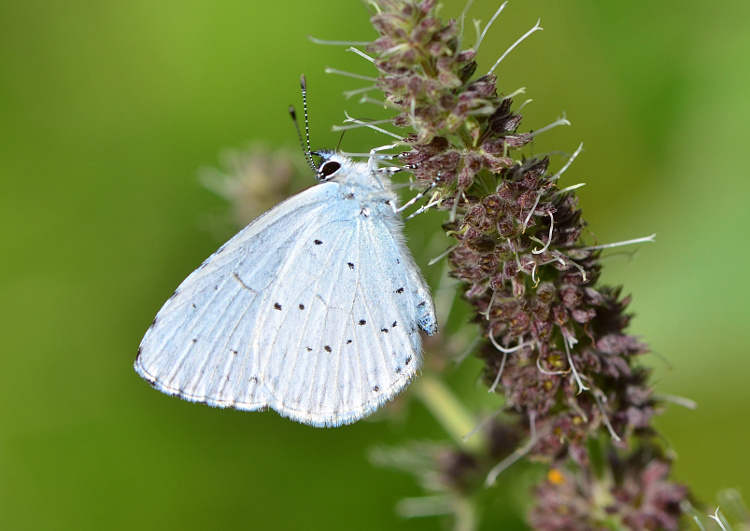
304	142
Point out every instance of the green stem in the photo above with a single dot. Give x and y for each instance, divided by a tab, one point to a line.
449	412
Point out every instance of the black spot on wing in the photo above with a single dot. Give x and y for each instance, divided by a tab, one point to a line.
394	324
408	360
351	265
361	322
276	306
384	330
400	290
376	388
317	242
301	306
327	348
348	341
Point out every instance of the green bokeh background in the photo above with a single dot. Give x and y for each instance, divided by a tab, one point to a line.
109	109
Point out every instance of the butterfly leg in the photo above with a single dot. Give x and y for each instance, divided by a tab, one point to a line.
419	196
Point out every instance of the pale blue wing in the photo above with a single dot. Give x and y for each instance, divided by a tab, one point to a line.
358	345
311	310
200	346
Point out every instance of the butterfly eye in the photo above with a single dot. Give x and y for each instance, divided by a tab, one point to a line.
328	169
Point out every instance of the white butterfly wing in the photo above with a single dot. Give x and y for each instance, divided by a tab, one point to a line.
197	346
311	310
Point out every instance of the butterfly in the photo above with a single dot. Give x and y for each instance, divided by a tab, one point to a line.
312	310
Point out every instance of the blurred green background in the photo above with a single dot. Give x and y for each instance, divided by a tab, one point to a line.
109	109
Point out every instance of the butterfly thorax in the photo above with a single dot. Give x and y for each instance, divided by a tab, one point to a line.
358	181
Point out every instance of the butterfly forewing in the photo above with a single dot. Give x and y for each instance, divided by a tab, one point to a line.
200	344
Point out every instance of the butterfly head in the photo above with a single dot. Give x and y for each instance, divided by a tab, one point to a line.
330	164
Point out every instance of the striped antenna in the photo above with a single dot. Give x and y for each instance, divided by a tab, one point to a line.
304	142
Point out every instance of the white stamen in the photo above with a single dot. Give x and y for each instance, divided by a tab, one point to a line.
679	400
442	255
508	350
356	121
454	208
685	507
644	239
572	340
559	121
499	374
370	125
463	18
545	371
338	43
523	105
329	70
549	237
577	408
567	164
489	306
380	103
571	263
481	37
380	156
361	54
718	518
570	188
516	455
577	377
526	221
599	398
521	90
481	111
532	30
349	93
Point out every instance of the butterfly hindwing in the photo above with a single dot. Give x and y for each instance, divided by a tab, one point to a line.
354	342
